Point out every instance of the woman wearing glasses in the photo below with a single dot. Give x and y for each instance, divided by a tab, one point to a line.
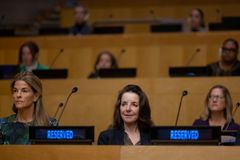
218	109
228	65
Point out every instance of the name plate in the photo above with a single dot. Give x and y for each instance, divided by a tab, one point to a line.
61	134
185	135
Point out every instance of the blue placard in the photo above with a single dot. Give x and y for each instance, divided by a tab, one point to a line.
184	134
60	134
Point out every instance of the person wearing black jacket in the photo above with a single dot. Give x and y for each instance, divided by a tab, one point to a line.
81	26
132	119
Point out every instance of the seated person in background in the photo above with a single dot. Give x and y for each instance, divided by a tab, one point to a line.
26	90
196	21
218	109
228	65
131	121
105	60
28	57
81	26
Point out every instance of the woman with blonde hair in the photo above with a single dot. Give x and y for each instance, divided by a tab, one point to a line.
218	109
28	107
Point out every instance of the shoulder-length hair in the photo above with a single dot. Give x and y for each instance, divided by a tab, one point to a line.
113	59
228	104
34	50
201	13
40	116
144	119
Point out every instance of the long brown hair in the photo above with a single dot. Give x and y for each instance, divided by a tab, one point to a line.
34	50
228	104
114	63
144	120
40	116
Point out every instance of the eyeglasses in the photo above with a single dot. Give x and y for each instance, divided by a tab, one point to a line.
230	50
212	97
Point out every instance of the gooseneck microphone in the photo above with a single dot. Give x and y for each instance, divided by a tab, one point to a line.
237	106
152	13
56	57
193	56
184	93
74	90
122	52
219	14
234	112
59	106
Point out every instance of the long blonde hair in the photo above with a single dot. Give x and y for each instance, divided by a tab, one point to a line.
40	117
228	104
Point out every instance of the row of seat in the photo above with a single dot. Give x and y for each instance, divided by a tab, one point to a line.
151	10
151	54
94	103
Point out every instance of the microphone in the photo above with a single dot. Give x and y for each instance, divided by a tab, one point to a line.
74	90
110	16
56	57
122	51
234	112
152	13
219	14
184	93
193	56
59	106
237	106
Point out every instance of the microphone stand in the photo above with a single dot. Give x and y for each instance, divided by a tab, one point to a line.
75	89
184	93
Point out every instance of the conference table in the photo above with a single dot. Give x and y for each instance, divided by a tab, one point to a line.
94	152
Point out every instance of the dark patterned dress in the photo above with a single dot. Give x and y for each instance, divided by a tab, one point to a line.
14	132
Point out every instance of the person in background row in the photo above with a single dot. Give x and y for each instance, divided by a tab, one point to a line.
28	57
81	25
105	60
228	65
218	108
28	107
196	21
132	119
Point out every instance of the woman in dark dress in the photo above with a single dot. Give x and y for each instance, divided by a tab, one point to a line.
132	119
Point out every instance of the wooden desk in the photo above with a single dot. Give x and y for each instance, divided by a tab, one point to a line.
78	152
